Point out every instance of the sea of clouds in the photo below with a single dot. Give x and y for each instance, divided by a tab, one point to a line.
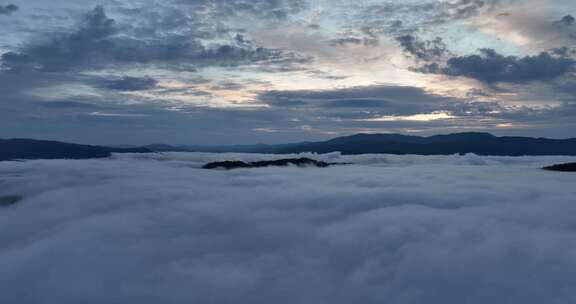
386	229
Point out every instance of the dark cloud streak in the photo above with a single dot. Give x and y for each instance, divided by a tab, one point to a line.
567	20
423	50
8	9
131	83
491	67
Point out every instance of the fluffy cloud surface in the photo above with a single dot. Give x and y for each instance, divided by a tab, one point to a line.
386	229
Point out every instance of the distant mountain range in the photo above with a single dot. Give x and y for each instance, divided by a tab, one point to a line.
14	149
459	143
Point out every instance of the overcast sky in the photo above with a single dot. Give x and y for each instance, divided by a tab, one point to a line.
248	71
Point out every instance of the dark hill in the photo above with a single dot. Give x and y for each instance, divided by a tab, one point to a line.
299	162
570	167
11	149
460	143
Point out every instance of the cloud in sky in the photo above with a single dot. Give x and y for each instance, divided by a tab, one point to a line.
184	63
98	42
393	229
567	20
491	67
398	107
132	83
423	50
276	9
86	44
8	9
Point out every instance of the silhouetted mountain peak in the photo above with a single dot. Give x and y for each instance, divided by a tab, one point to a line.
19	148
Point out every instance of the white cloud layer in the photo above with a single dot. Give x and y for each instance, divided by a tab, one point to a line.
388	229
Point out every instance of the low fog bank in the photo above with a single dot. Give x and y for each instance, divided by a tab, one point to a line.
197	160
387	229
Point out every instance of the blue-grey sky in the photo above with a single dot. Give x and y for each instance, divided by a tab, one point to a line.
247	71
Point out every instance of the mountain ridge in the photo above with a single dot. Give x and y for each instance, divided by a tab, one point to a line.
457	143
447	144
29	149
